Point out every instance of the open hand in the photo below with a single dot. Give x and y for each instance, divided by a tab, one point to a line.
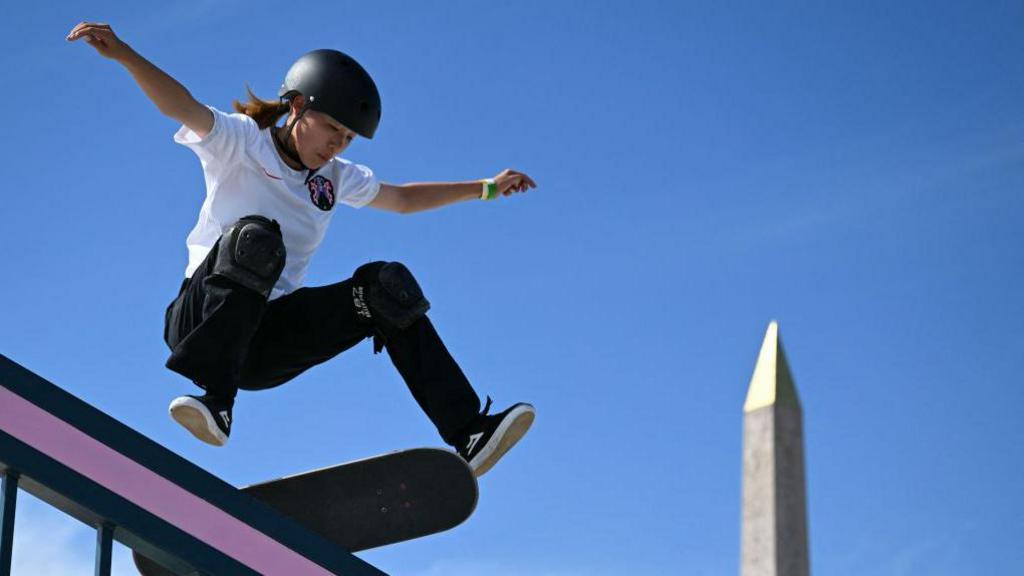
101	37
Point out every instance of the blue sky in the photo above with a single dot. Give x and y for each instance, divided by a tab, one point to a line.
852	170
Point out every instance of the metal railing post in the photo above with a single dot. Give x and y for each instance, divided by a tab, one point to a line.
8	501
104	548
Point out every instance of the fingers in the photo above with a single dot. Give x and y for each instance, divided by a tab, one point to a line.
515	179
101	37
75	33
518	186
510	181
90	33
71	35
522	180
91	30
524	184
521	183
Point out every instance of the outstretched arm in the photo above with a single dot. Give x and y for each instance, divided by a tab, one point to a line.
170	97
420	196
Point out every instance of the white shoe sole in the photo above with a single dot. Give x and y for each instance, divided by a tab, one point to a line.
194	416
511	430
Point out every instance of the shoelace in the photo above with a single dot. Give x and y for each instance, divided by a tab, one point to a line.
487	408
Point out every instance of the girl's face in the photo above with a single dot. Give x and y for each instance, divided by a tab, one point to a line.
318	136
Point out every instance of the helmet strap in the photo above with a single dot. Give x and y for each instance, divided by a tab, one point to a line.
291	151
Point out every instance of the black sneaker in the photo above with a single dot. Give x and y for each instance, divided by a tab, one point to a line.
490	437
206	417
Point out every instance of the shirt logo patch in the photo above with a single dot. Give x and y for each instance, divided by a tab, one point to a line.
321	192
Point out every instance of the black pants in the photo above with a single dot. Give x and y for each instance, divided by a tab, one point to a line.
224	337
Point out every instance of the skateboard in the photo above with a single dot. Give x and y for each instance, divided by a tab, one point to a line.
372	502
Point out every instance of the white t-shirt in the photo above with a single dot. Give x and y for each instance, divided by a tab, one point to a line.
246	175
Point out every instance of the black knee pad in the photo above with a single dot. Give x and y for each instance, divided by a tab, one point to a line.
387	295
252	254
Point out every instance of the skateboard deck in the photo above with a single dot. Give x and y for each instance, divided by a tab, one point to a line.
372	502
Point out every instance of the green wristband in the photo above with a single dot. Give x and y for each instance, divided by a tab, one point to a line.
489	189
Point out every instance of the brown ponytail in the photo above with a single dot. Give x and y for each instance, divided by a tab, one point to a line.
266	113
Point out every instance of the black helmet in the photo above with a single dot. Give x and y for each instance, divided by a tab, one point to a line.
335	84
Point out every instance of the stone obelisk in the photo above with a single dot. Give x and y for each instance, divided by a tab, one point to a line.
774	540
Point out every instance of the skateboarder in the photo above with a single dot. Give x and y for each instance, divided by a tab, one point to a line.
242	318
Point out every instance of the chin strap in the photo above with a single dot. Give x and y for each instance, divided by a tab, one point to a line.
291	152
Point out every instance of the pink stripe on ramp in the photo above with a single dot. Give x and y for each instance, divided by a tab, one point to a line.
148	490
